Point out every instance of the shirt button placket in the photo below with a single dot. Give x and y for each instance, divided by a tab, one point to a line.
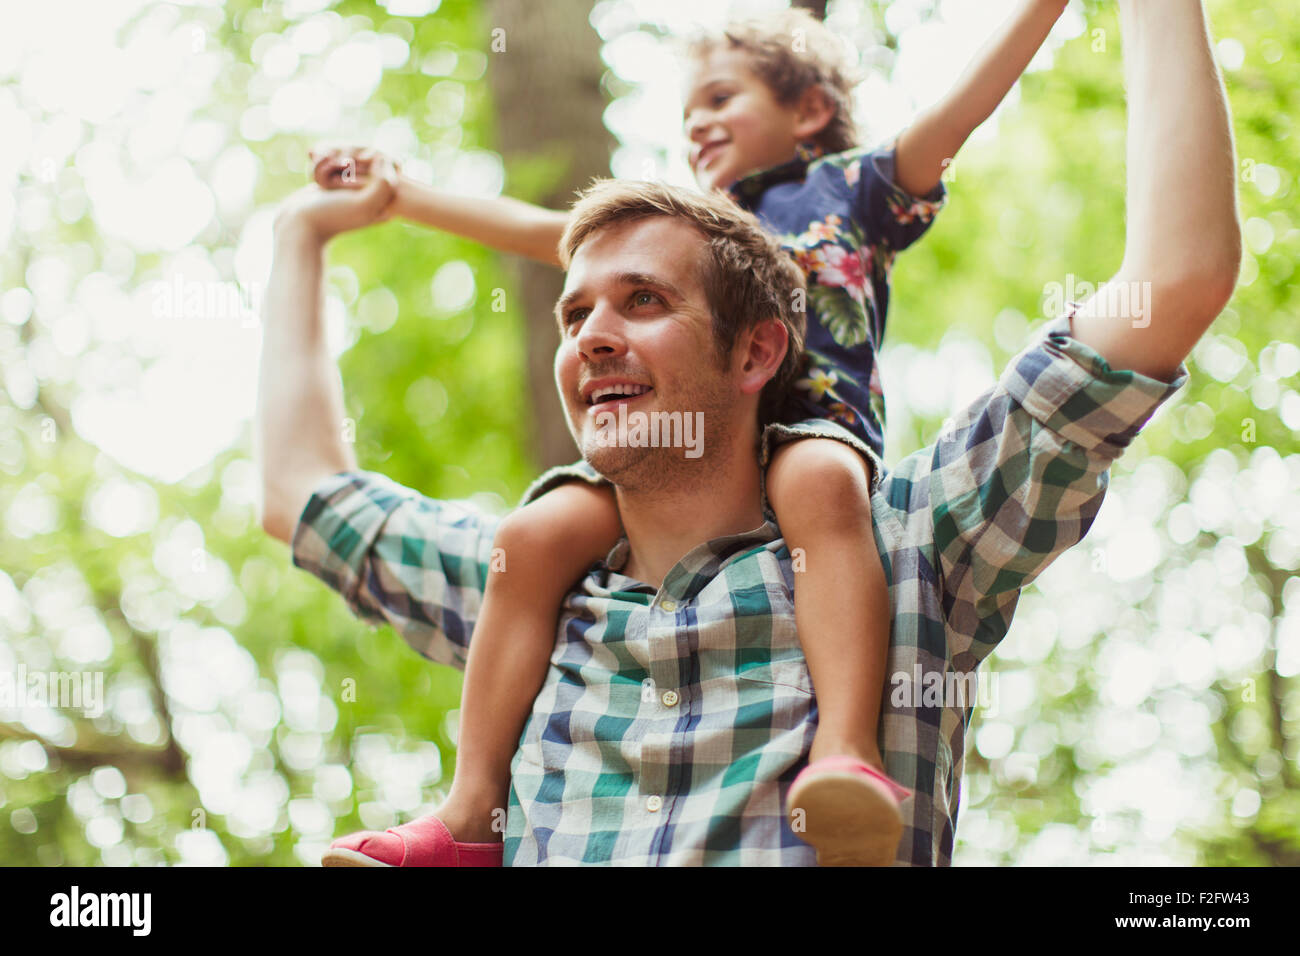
664	665
664	657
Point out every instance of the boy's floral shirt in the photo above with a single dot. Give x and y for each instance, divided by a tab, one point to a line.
843	218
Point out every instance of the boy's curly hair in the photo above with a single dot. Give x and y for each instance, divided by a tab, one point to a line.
746	275
791	51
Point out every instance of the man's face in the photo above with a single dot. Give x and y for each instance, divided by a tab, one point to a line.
636	331
733	121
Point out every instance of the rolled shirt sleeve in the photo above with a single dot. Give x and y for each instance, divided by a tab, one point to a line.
886	210
1021	474
399	558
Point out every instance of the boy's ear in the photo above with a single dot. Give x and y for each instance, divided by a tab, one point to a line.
813	112
763	350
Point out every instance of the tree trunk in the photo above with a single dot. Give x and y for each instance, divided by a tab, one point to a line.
545	69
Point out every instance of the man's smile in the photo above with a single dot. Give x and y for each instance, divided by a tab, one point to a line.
605	398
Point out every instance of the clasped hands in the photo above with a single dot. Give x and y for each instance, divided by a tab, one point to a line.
352	188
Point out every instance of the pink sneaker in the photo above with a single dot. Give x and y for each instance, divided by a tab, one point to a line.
422	842
847	811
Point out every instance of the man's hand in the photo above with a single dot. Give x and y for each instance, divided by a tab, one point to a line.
364	185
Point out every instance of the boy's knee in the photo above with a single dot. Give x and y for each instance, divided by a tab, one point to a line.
816	476
524	534
570	523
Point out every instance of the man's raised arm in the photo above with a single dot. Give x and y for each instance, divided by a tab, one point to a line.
1183	244
300	396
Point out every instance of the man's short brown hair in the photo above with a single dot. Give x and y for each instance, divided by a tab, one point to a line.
747	277
791	51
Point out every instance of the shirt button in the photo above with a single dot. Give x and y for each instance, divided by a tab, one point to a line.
670	698
668	606
653	803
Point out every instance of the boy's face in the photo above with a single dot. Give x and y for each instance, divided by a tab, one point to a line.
734	123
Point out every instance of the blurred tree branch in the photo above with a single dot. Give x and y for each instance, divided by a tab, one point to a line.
101	751
1274	684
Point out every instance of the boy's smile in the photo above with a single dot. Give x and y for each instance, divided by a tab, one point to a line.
735	124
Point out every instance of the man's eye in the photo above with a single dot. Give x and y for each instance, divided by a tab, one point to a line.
645	298
575	315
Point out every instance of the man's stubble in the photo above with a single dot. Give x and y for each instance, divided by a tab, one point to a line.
668	470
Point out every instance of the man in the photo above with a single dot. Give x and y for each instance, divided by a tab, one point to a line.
677	712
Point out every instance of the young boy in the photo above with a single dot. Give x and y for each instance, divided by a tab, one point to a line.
768	118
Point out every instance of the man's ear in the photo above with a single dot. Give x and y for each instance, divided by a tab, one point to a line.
762	352
813	112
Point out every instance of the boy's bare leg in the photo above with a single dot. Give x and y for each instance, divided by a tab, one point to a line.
547	545
819	489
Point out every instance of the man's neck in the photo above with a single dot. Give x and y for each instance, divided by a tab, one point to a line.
664	525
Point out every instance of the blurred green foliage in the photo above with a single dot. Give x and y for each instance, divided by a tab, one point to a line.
1042	202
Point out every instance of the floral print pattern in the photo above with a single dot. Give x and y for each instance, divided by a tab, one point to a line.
843	219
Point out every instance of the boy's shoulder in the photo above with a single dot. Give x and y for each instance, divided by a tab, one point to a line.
853	157
869	174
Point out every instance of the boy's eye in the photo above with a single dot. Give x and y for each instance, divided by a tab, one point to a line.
712	101
575	315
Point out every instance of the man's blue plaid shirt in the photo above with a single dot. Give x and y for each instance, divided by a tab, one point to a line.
673	720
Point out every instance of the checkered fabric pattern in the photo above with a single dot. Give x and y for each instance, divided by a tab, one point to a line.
673	720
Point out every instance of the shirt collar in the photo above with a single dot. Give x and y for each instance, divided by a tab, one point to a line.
747	190
698	567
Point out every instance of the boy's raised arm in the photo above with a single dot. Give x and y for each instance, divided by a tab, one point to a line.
927	146
509	225
1182	248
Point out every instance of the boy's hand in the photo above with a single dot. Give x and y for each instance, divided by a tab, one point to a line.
345	172
325	213
345	167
